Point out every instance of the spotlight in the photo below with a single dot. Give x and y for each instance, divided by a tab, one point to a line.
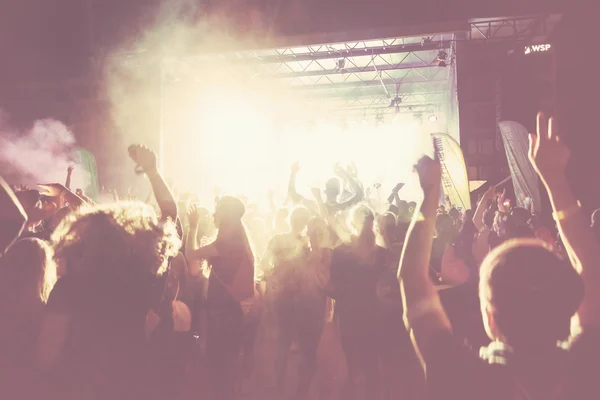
441	58
433	118
341	65
396	101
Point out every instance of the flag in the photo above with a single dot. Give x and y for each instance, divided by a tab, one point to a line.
524	177
455	182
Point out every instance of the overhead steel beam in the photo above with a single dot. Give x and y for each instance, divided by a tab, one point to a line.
288	55
360	84
365	94
352	70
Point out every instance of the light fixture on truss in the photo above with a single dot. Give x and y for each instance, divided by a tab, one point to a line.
441	59
341	65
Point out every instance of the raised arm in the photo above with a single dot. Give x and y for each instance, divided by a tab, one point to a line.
355	186
145	159
12	216
423	313
295	196
549	157
481	207
69	174
393	197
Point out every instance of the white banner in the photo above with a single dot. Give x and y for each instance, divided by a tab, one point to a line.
455	182
524	177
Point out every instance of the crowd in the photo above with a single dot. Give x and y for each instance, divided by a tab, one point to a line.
126	300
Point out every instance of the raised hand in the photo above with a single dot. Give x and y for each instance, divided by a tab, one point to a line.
430	174
144	158
52	189
398	187
547	153
296	167
194	215
70	169
338	170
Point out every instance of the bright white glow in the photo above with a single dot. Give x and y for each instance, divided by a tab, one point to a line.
433	118
243	142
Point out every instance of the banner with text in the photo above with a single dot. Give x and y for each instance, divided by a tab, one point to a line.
455	182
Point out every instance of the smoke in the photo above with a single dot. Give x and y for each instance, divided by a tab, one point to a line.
40	154
227	124
174	35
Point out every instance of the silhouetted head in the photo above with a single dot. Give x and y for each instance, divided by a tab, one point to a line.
333	188
229	210
361	222
527	294
298	219
318	233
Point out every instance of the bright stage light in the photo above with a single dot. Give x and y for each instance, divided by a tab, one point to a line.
245	143
433	118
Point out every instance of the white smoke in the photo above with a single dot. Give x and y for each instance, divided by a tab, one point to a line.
40	154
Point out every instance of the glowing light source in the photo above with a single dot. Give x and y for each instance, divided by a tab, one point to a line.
433	118
244	141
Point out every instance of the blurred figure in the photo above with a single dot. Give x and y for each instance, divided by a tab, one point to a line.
230	286
356	269
101	312
27	275
312	301
283	263
596	224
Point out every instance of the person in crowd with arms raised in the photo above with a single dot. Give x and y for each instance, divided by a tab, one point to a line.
356	269
484	223
282	264
398	361
333	189
446	265
94	333
230	284
27	275
311	301
528	297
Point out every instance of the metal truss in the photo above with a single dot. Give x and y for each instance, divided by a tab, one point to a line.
341	50
517	28
363	74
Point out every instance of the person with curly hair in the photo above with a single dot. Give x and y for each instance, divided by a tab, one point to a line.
94	340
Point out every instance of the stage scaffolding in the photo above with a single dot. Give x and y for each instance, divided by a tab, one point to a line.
371	78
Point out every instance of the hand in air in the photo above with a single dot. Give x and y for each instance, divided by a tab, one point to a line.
489	193
70	169
352	169
52	189
430	174
143	157
338	170
547	153
196	214
296	167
